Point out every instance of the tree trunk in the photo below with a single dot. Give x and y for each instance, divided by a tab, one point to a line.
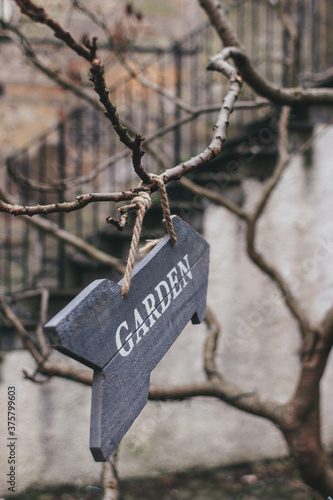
305	445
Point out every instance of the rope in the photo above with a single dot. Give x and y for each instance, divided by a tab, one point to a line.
143	201
166	208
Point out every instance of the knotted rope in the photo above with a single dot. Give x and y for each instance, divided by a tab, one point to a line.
143	202
165	208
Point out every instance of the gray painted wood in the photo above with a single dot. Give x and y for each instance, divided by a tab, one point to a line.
124	339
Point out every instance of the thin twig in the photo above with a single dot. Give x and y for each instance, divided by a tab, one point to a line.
110	478
69	238
214	197
39	15
44	294
88	52
220	127
22	332
174	173
56	186
31	56
135	74
283	161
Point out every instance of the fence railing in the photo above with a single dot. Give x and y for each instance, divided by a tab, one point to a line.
84	142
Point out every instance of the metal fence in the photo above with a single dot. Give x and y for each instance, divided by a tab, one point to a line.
84	141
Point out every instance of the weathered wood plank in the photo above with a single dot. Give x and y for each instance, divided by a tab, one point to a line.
124	339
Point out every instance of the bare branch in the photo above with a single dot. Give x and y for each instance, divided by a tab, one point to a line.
249	74
80	201
98	78
111	479
39	15
214	197
22	332
88	52
220	389
44	300
283	161
219	20
76	242
134	73
172	174
50	369
211	344
70	238
220	127
254	255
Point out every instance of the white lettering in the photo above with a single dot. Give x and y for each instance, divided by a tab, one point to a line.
185	270
149	303
139	325
173	282
166	302
119	343
155	305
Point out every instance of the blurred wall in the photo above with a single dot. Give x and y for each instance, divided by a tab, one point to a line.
258	350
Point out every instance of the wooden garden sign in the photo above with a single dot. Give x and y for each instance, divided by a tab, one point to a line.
124	339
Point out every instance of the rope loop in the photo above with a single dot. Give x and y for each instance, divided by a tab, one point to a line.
166	208
143	201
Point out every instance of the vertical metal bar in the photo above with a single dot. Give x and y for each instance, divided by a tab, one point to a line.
78	166
161	75
25	243
177	50
42	200
208	85
285	57
270	48
314	36
329	34
194	97
300	66
8	244
255	14
96	155
61	220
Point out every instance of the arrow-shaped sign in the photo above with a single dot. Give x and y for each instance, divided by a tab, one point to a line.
124	339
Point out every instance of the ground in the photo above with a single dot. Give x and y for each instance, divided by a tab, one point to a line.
274	480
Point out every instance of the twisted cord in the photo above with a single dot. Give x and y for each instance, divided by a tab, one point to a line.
143	202
166	208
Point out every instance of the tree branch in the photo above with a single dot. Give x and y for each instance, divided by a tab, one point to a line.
214	197
135	74
220	127
66	236
110	478
53	75
219	20
22	332
220	389
249	74
174	173
39	15
211	345
88	52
